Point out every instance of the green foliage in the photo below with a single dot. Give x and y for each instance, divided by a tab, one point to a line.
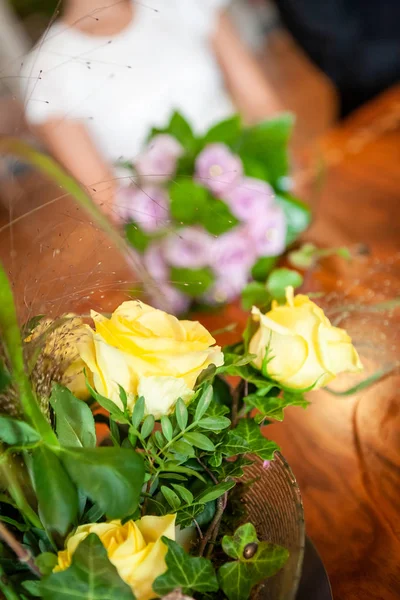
5	378
263	267
267	144
192	282
74	420
188	201
46	562
185	572
298	215
226	132
272	407
111	477
91	576
308	255
115	412
255	294
254	562
180	129
217	218
215	492
279	280
137	237
17	433
57	495
247	438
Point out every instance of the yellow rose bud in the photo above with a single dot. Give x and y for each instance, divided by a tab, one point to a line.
149	353
303	348
59	354
135	549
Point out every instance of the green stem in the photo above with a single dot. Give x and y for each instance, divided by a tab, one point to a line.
12	340
6	586
175	439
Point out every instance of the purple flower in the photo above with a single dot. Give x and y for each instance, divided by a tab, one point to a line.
154	262
148	207
177	302
267	231
232	253
248	198
189	248
226	287
217	168
157	163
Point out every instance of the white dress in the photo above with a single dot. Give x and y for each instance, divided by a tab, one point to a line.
120	86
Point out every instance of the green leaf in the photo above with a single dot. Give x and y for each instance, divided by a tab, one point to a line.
226	132
57	495
74	420
200	441
217	218
204	402
280	279
255	294
32	586
192	282
185	572
111	477
172	498
91	576
108	405
214	423
229	468
255	168
159	439
147	427
166	427
46	562
272	407
263	267
137	238
298	216
188	201
215	492
138	412
17	433
184	493
181	414
182	448
175	467
255	561
247	437
123	396
179	128
267	142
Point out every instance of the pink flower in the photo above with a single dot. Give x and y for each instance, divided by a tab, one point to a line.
248	198
267	231
226	287
146	206
171	298
154	261
189	248
217	168
232	253
157	163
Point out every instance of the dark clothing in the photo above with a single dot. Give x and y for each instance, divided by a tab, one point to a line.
355	42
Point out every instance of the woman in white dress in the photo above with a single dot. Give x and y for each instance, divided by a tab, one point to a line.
107	71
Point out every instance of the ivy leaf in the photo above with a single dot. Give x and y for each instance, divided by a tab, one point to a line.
91	576
247	438
17	433
271	407
185	572
234	468
280	279
192	282
57	495
74	420
111	477
255	561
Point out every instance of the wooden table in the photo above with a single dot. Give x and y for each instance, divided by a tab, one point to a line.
345	452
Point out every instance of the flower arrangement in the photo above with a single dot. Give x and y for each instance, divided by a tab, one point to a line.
149	512
210	214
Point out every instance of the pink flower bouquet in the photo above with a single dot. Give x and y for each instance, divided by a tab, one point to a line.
211	214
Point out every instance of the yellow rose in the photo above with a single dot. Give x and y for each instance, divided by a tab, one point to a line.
304	349
135	549
59	354
149	353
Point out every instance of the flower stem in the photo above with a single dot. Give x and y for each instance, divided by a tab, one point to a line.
212	531
23	555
